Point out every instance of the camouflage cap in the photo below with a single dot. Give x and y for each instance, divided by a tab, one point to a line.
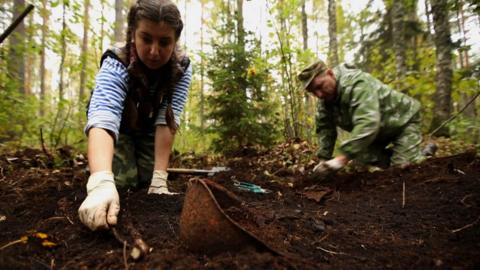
306	76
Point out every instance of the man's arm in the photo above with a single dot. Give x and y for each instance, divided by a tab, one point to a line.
366	119
326	131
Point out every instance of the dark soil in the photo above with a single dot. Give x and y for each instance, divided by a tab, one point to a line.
348	221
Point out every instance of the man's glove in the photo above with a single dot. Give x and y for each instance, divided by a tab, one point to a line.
100	209
330	166
159	183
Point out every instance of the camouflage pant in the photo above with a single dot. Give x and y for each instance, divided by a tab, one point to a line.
402	149
133	160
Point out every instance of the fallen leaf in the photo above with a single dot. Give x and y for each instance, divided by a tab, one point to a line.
40	235
317	195
48	244
24	239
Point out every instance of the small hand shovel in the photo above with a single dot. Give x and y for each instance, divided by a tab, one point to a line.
210	172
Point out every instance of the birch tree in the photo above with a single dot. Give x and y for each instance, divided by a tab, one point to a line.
332	33
44	14
119	25
84	49
63	51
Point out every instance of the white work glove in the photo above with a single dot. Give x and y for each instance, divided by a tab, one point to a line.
326	167
100	209
159	183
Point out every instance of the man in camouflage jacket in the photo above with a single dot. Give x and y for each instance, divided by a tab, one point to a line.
384	124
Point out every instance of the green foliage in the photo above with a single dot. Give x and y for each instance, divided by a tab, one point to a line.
452	146
253	95
345	33
466	85
240	106
20	124
191	139
288	58
190	136
465	129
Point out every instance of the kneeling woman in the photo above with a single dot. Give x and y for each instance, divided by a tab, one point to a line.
134	111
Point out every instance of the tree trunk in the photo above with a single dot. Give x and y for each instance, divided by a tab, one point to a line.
294	114
84	50
399	41
63	52
332	33
185	32
30	56
309	101
287	75
304	26
240	27
16	63
102	26
44	14
202	70
470	111
443	44
463	49
428	12
119	26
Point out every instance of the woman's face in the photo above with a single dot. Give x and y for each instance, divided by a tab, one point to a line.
154	42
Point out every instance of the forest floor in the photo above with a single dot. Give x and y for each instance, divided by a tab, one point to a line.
424	216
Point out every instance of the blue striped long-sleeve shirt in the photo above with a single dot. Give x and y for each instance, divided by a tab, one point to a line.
106	103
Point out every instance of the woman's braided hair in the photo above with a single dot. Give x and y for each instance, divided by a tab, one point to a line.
156	11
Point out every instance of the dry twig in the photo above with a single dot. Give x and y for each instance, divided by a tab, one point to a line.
69	220
41	223
323	238
464	199
44	148
12	243
466	226
331	252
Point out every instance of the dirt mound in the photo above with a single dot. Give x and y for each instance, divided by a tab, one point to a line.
423	216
